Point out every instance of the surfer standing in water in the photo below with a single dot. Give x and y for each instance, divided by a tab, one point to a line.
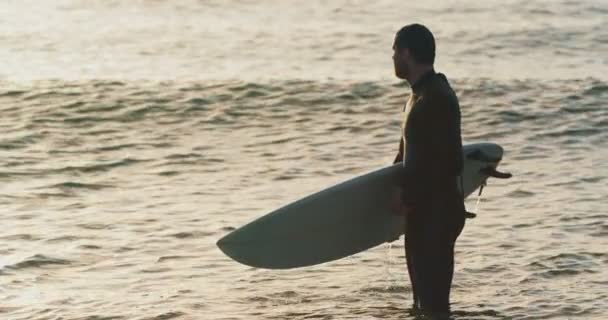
428	195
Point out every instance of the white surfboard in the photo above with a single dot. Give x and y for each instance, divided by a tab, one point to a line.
339	221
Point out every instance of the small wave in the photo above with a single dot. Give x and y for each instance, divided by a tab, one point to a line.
49	195
596	90
248	91
258	299
101	167
49	94
386	289
550	274
96	317
197	102
13	93
21	142
167	316
184	156
520	194
90	108
95	226
188	159
73	105
140	113
86	120
78	185
603	232
63	239
115	147
582	256
21	236
512	116
481	314
38	261
187	235
167	258
170	173
89	247
565	265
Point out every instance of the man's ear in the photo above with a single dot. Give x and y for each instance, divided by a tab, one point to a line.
405	53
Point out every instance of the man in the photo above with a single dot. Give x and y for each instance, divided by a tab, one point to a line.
429	193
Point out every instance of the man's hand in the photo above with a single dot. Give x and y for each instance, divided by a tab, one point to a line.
397	205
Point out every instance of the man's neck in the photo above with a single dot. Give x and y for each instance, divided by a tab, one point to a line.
417	73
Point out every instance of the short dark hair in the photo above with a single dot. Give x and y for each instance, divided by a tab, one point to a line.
419	40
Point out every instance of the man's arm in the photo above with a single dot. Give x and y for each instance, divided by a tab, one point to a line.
444	147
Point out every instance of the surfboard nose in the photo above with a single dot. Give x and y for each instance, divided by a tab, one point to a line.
220	243
234	246
224	242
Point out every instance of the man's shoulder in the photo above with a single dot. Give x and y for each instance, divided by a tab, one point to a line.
440	88
439	95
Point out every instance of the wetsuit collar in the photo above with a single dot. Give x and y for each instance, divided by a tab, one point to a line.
422	80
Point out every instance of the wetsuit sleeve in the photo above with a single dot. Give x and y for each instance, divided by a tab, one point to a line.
442	132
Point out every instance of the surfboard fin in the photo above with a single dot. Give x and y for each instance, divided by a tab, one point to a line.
492	172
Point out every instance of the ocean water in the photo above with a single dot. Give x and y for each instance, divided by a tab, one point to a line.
135	134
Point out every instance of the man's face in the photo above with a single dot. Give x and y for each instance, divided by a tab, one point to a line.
401	59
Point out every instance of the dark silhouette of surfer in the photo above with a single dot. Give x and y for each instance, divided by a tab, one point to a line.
428	192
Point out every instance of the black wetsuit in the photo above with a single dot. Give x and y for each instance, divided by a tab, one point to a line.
433	153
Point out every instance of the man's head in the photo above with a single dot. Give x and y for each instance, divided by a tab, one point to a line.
414	47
